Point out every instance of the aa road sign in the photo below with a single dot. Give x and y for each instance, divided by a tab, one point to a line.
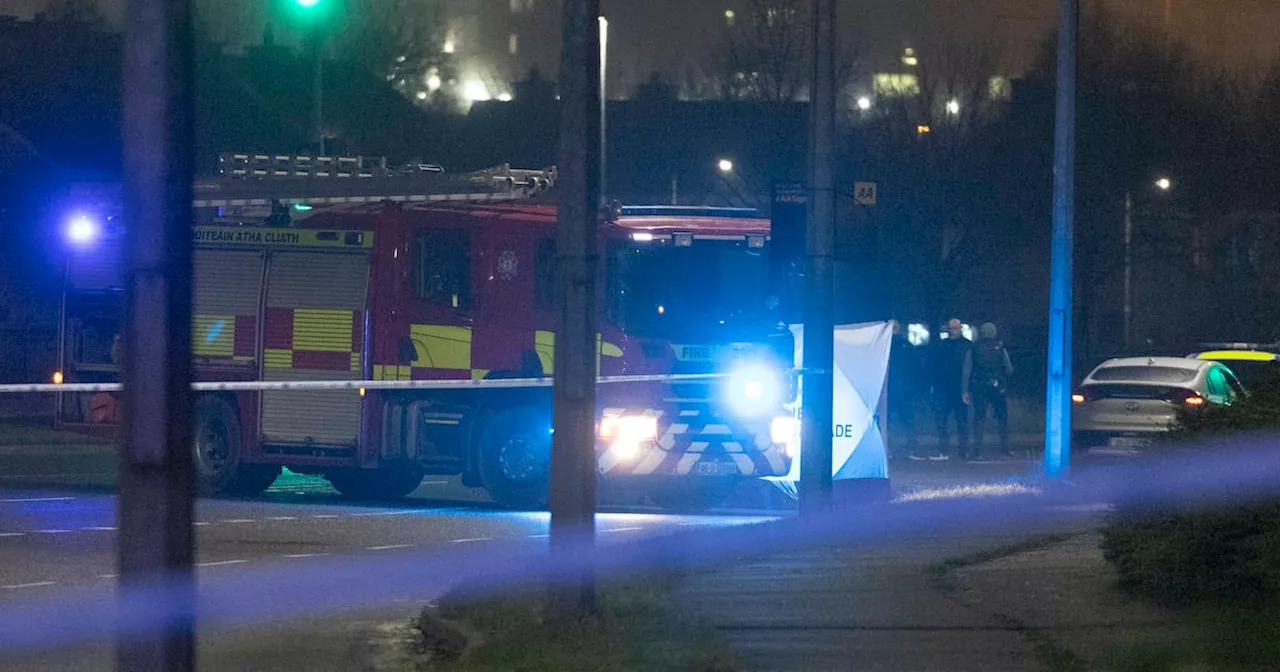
864	193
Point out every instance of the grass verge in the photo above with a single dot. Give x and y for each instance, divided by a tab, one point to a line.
638	627
1231	640
32	434
1052	653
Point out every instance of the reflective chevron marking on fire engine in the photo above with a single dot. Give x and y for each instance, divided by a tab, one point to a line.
314	339
684	444
226	336
444	348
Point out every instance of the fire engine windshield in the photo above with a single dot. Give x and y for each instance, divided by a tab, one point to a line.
711	290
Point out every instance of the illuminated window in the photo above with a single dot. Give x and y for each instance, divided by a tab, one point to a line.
999	88
449	45
513	44
896	85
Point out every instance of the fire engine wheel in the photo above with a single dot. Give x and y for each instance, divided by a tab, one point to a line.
515	458
376	484
217	449
692	495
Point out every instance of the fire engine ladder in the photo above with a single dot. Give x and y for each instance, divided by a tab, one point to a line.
258	180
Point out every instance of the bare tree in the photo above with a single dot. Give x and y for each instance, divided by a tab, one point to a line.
954	88
400	40
767	54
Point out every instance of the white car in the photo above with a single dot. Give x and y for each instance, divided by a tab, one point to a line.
1125	403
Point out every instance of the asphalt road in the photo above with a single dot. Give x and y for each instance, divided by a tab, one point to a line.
58	534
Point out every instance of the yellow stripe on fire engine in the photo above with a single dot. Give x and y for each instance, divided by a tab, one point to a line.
213	335
441	347
320	330
277	359
544	344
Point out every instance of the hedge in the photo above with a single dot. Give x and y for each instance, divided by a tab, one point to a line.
1214	553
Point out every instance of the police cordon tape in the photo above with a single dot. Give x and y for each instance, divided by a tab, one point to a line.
314	385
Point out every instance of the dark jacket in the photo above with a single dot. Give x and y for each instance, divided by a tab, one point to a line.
949	355
905	368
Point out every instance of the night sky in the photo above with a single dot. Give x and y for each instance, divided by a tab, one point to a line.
1234	34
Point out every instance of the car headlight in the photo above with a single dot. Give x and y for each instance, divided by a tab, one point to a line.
631	429
754	390
784	430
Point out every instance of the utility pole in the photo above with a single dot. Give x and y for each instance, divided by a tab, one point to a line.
573	458
156	546
819	326
604	111
1128	271
317	86
1057	440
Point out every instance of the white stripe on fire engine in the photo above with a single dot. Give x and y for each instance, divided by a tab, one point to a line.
774	455
745	466
686	463
608	460
689	414
716	429
652	459
732	447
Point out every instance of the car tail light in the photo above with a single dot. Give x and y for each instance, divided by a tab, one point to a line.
1079	398
1195	401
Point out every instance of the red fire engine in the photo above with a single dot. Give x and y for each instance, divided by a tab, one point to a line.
382	276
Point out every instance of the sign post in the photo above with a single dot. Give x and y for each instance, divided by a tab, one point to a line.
864	193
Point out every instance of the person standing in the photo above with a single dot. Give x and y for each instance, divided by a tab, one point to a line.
948	390
986	378
905	370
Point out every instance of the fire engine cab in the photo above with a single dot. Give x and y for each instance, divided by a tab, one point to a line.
304	273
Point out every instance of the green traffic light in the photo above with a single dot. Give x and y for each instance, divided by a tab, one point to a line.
307	4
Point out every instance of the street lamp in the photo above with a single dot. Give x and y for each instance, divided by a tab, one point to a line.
953	107
864	103
1164	184
604	109
725	165
311	8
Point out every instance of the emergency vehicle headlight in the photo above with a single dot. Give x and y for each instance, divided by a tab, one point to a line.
784	430
754	390
629	429
625	449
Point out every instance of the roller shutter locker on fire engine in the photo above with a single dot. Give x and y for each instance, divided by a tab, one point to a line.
314	331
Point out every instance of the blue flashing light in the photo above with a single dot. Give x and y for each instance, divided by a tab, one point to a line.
754	389
83	230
